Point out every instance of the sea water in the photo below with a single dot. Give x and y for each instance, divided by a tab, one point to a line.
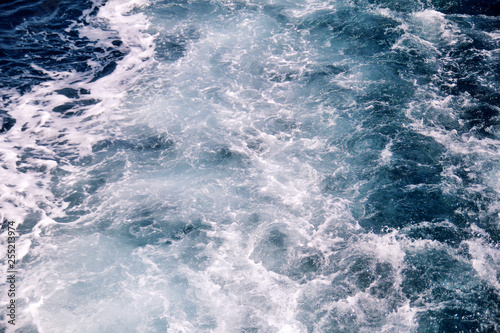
250	166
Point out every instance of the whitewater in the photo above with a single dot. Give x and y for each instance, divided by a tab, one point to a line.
250	166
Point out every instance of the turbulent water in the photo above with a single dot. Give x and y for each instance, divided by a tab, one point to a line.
250	166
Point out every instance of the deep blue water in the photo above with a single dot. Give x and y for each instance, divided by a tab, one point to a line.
251	166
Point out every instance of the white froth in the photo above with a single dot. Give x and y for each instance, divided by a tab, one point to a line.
486	260
36	133
243	172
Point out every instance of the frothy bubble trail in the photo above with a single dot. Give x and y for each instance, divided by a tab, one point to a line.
90	58
256	166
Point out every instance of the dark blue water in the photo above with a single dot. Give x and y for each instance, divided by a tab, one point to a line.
252	166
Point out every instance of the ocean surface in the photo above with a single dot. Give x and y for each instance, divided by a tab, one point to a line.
250	166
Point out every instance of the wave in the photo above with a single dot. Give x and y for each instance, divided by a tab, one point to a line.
254	166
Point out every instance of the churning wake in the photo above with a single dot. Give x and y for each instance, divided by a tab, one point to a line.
251	166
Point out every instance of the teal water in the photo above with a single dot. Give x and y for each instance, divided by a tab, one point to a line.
257	166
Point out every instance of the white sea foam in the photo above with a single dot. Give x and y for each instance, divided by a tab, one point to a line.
33	149
229	228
